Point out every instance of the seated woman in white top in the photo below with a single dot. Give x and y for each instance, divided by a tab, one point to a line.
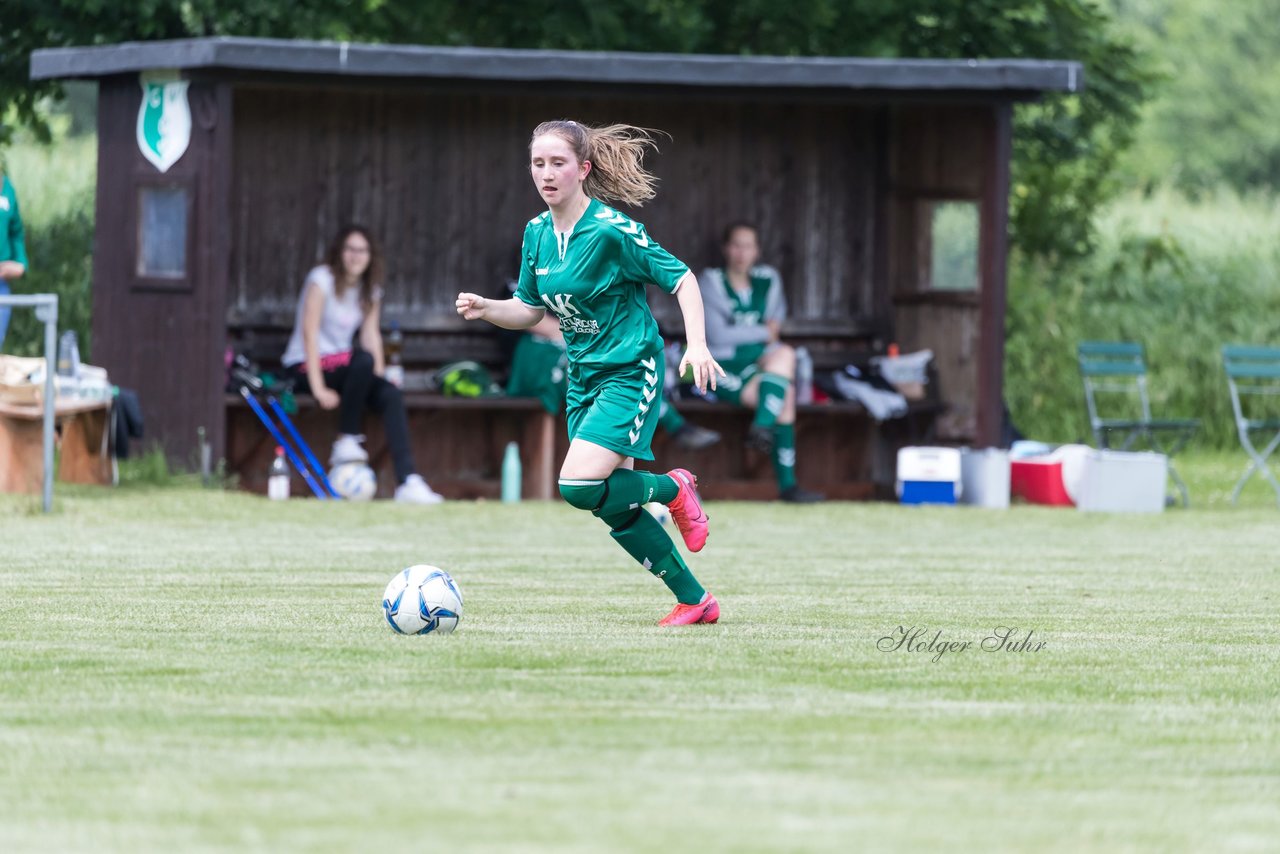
340	298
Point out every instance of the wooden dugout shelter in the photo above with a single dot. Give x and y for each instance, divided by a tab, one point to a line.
880	188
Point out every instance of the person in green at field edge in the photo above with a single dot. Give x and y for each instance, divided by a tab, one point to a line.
588	265
13	248
745	309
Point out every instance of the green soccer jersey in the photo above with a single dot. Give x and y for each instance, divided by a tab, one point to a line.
749	309
593	280
737	330
12	245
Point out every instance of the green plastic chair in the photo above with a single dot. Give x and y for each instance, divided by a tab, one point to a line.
1253	374
1118	369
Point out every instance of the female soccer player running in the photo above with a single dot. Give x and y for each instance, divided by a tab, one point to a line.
588	265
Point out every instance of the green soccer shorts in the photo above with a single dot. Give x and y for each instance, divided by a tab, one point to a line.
618	409
729	387
738	370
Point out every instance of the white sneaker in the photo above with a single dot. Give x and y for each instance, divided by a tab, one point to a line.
347	449
415	491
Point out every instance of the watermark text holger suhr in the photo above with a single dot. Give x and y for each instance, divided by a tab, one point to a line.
933	644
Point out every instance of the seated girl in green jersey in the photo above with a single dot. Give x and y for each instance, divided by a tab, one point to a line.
745	307
588	264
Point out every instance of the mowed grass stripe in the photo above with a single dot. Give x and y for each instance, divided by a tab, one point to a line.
208	671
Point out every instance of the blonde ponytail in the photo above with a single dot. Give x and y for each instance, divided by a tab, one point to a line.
616	154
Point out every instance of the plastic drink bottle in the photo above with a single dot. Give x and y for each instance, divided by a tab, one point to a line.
804	376
68	355
511	474
394	370
278	477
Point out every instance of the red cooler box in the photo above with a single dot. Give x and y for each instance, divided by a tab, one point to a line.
1039	480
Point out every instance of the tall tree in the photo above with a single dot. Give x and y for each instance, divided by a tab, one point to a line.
1215	118
26	25
1066	147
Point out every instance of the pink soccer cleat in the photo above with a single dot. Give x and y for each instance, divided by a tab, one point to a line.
706	611
686	510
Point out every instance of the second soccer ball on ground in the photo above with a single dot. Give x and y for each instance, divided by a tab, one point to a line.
354	481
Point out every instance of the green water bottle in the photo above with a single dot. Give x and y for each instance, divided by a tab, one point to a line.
511	474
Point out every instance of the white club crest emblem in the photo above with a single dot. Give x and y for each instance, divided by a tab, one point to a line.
164	119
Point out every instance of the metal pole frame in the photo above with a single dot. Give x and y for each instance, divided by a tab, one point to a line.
46	306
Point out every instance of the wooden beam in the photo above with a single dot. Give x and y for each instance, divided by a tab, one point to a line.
216	253
267	57
993	260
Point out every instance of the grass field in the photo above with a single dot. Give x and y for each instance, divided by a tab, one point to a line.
186	670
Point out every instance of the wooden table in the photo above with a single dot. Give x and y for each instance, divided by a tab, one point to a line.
84	426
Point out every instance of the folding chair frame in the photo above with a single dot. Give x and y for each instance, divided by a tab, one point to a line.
1121	367
1253	363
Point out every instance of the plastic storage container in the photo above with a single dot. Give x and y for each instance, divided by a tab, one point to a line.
906	368
1039	481
985	477
1123	482
1053	478
929	475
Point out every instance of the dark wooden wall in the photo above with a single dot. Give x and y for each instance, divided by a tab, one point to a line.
951	153
441	177
164	339
439	173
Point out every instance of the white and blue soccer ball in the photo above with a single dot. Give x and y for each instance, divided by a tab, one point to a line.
660	512
422	600
354	481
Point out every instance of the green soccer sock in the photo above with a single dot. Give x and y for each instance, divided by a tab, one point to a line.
784	455
773	396
626	490
644	538
668	418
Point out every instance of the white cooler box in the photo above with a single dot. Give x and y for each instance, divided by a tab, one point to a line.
929	475
1123	482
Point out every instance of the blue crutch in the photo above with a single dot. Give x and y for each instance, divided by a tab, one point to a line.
302	444
282	442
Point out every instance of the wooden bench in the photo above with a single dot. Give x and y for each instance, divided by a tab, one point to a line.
84	444
841	451
458	443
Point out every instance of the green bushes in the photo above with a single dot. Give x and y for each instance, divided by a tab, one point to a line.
56	191
1183	279
61	261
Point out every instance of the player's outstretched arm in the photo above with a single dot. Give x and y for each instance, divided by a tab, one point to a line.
507	313
696	355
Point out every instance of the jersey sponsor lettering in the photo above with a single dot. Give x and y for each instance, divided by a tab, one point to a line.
562	306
